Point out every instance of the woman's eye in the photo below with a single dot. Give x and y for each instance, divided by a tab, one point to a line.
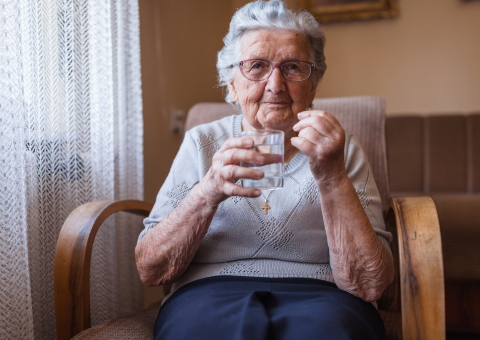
292	67
258	65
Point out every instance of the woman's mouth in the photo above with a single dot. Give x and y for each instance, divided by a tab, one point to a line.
276	103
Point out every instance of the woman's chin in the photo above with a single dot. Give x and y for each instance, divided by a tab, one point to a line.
278	121
269	119
283	125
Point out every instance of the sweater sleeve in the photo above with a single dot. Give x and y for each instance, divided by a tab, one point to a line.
361	175
183	176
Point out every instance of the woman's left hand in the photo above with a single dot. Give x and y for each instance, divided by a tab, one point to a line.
322	139
360	263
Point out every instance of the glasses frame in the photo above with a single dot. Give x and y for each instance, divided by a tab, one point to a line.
274	66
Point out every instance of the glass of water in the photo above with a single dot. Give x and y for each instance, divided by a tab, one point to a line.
270	143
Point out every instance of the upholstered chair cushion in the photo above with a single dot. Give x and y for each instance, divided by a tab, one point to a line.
138	326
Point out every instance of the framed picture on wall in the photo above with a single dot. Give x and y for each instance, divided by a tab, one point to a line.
348	10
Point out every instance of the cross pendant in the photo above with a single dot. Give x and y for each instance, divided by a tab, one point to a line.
265	207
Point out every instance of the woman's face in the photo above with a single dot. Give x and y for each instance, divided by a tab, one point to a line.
275	102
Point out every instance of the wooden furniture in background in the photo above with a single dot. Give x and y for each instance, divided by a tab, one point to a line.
349	10
439	156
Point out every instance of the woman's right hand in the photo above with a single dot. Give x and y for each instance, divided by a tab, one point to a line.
220	181
166	251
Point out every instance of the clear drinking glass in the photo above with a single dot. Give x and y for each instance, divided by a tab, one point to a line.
268	142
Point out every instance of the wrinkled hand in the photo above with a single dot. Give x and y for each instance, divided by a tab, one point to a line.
322	139
219	182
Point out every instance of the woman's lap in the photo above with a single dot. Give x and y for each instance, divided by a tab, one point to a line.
262	308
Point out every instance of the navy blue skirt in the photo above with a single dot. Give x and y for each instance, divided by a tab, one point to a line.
234	307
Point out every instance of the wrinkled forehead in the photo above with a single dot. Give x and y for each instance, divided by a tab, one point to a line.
275	45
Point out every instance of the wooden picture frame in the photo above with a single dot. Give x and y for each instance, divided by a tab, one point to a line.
348	10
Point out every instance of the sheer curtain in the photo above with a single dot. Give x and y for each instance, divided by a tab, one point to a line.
70	132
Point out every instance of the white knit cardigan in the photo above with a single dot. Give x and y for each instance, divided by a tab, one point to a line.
289	241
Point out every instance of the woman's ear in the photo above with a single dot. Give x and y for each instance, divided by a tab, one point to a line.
233	92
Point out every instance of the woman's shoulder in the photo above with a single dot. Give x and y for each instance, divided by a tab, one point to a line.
226	127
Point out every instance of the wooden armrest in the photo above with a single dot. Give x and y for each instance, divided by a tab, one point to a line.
72	261
420	267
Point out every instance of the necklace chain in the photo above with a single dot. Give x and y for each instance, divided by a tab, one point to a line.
265	207
266	198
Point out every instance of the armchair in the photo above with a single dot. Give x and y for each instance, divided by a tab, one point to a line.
412	307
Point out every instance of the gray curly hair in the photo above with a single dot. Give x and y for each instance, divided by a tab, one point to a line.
271	14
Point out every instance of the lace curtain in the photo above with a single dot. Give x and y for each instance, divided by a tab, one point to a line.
70	132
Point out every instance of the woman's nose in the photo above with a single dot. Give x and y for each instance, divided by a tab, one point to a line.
276	81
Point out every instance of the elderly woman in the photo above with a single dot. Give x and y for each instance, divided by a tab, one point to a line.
310	268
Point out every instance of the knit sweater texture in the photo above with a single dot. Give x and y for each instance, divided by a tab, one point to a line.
289	241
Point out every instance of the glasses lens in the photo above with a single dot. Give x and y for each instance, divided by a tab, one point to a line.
256	69
296	70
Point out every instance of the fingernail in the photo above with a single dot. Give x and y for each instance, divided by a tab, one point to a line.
295	127
301	115
260	158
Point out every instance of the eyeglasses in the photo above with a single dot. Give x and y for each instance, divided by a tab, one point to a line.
257	69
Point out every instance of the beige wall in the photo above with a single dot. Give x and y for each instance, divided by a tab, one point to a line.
179	42
427	60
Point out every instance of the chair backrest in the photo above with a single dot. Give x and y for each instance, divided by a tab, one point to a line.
362	116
